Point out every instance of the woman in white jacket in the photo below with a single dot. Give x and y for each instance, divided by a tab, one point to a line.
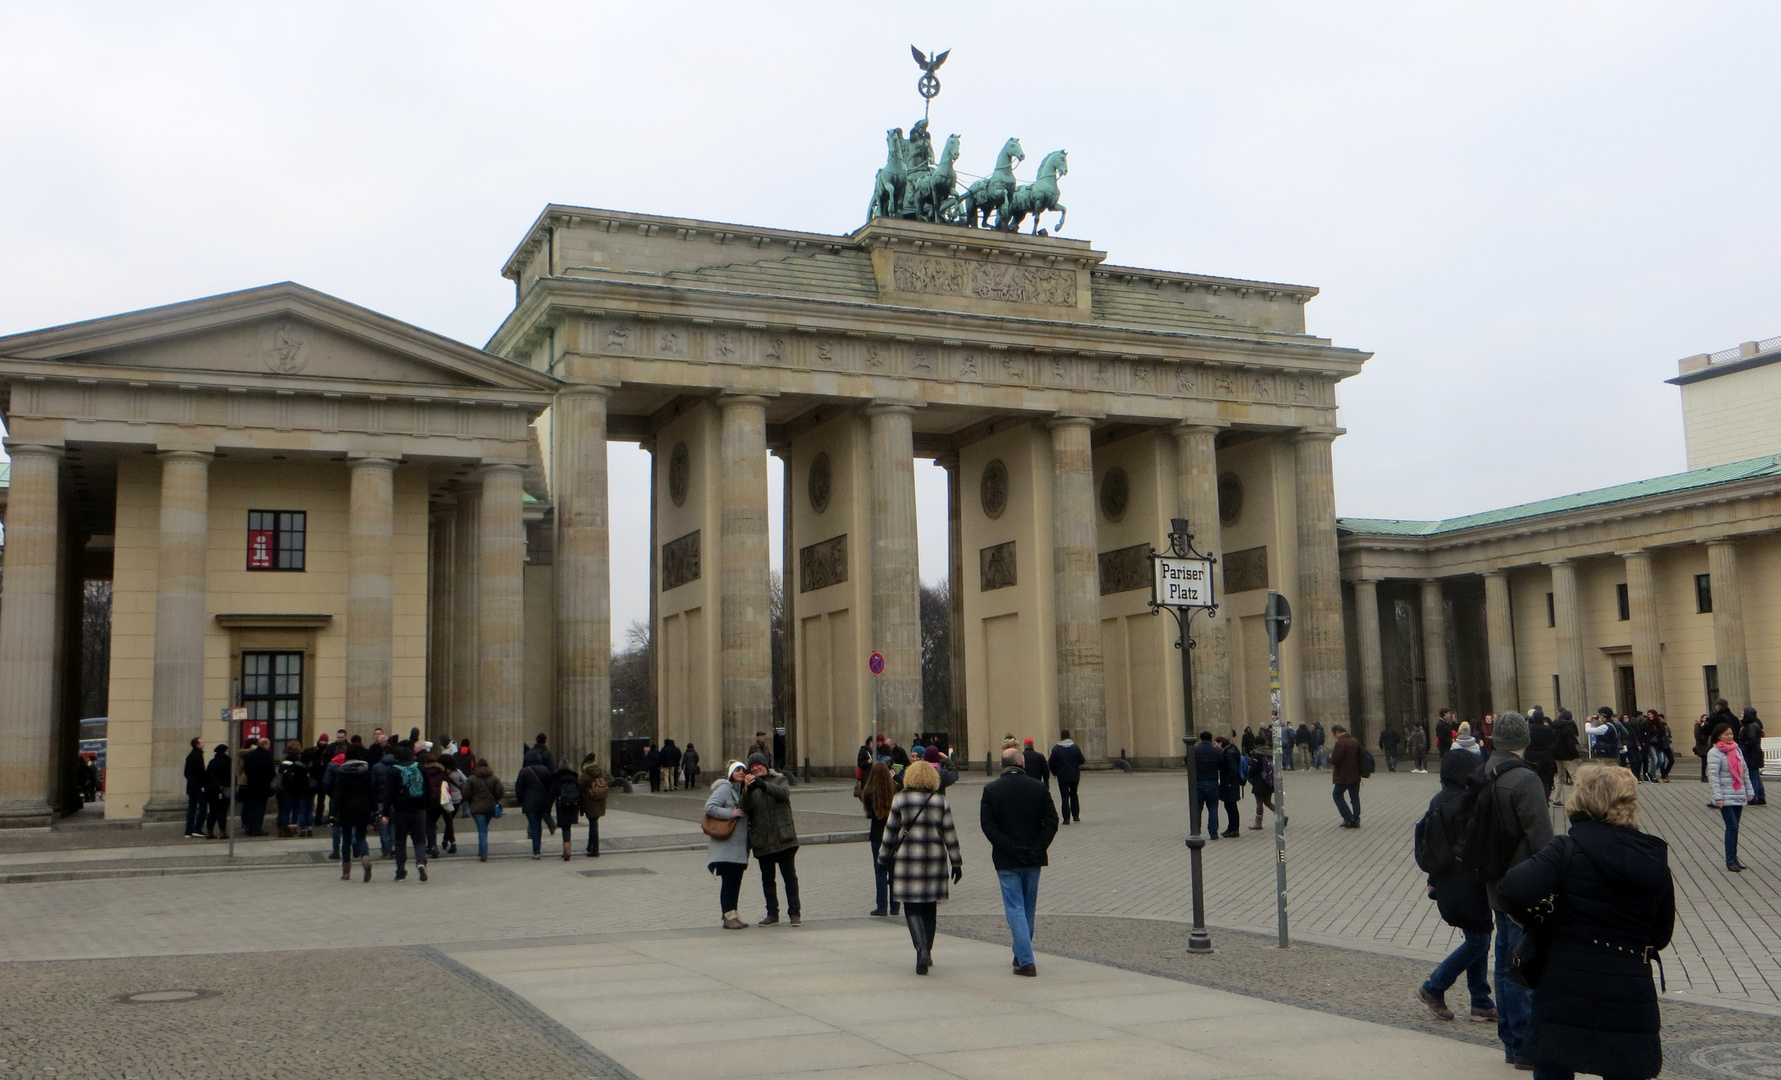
1730	777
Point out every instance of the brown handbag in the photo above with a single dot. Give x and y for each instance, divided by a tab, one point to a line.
719	828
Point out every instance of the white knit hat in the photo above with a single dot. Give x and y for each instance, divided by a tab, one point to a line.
734	765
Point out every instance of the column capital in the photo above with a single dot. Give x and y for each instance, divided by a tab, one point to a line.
731	397
16	448
1435	581
1073	419
1635	553
586	389
1499	572
892	407
1724	542
356	462
1312	435
498	468
185	455
1367	580
1198	427
1556	563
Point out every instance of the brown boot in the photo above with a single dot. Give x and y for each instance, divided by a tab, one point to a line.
367	861
346	871
565	851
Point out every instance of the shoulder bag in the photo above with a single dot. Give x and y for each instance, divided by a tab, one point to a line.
1527	960
719	828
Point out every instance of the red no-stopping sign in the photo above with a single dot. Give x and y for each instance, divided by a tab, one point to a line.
875	663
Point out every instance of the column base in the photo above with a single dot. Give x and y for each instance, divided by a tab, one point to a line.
25	814
161	808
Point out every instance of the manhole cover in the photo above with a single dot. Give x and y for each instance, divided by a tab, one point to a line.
616	871
163	997
1746	1061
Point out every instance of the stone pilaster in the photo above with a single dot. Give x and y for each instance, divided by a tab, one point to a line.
1372	659
1434	647
502	617
788	613
27	646
1648	662
955	592
1728	624
1196	497
583	570
466	629
1499	631
370	614
180	564
896	576
441	560
1081	695
1317	610
1573	687
746	660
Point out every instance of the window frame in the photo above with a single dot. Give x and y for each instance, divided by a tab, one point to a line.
1703	594
1623	602
289	531
278	728
1551	612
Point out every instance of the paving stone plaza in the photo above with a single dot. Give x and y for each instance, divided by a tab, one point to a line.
615	968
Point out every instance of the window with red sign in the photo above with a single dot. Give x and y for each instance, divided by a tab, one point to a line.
275	539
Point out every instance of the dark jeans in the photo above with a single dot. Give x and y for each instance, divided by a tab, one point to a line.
1515	1002
1391	761
729	890
923	919
195	812
1422	762
1733	815
655	779
1349	808
1207	790
593	836
1232	816
482	833
293	810
1069	806
219	815
535	831
386	832
253	817
1472	957
786	861
434	813
352	842
405	824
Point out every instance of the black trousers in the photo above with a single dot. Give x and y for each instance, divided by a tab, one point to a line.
409	824
1069	807
593	836
923	921
434	813
655	779
1233	815
786	861
729	889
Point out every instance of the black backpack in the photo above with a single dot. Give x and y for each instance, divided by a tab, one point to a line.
1366	763
1488	845
1437	849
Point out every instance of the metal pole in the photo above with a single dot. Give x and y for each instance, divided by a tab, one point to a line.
1279	772
229	736
1198	940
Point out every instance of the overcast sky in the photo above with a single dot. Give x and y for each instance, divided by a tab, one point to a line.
1528	211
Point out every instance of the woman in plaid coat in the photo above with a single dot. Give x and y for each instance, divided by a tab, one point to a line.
921	848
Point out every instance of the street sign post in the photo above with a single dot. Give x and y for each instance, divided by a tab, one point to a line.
1278	616
875	664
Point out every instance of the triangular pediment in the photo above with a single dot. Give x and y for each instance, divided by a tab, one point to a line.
280	334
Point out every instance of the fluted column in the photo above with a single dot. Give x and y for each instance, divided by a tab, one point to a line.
1318	607
788	614
1434	647
1573	687
583	570
896	576
746	661
370	644
180	565
1728	624
1081	696
955	593
1648	661
502	615
1372	659
1196	496
1499	632
466	627
27	646
441	559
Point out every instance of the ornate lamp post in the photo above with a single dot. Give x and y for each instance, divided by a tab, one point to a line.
1182	582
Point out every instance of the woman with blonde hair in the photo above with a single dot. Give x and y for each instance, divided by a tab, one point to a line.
1602	900
877	792
920	843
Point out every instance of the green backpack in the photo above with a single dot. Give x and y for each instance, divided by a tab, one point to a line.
411	780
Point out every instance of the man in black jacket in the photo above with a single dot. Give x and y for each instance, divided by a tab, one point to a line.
1034	763
1066	765
196	782
1019	821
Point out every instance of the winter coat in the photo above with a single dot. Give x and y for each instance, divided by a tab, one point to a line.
1345	760
196	782
293	776
1458	894
1564	739
1018	819
1595	1010
257	770
433	777
768	803
538	755
1522	797
726	802
670	757
349	786
1750	738
1445	732
565	786
1066	762
1261	774
536	796
383	773
1230	774
592	807
689	762
1036	766
1208	763
1719	775
1390	741
921	845
483	790
218	776
1419	742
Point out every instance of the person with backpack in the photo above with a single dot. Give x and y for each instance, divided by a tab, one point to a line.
1261	780
1458	895
594	790
1345	776
565	789
483	792
433	779
536	798
1507	822
1230	785
408	811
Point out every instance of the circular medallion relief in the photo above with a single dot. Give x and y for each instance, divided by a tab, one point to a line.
1116	493
993	489
1230	498
819	483
680	470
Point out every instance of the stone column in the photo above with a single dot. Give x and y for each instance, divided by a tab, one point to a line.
746	661
1728	624
1081	695
653	728
1317	621
788	613
583	570
1499	631
502	617
1648	661
370	644
27	647
1573	686
466	628
955	593
1434	647
441	567
1372	659
1196	496
896	576
178	707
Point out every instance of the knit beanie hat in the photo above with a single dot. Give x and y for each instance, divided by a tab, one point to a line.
1510	732
731	771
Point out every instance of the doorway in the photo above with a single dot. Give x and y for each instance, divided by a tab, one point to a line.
1626	691
272	691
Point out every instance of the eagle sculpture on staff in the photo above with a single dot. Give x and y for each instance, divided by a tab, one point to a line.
928	86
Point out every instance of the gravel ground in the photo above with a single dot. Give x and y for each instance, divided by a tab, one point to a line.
1699	1041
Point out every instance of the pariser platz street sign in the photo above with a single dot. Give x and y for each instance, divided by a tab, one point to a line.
1182	582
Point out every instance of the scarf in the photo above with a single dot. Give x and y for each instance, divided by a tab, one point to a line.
1734	760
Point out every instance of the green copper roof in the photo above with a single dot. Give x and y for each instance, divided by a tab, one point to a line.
1638	489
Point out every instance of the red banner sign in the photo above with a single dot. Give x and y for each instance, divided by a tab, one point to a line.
253	731
259	549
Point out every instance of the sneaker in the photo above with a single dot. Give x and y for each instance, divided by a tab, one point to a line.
878	913
1485	1015
734	923
797	920
1437	1003
423	870
402	877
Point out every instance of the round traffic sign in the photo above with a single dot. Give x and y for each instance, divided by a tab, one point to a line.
876	663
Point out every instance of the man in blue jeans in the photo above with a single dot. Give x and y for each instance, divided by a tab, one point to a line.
1208	767
1456	891
1522	827
1019	821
